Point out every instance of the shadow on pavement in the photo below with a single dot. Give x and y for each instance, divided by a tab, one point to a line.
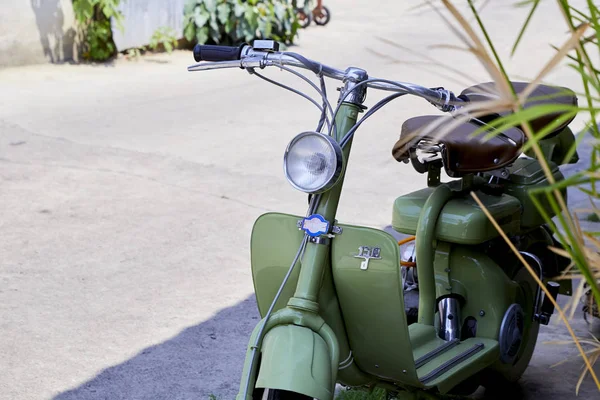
207	359
202	360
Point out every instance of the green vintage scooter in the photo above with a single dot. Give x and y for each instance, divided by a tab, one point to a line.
333	297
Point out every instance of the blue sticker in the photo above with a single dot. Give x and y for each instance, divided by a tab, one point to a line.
315	225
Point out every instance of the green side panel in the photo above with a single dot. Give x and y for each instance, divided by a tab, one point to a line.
527	174
484	287
295	359
372	304
462	220
274	242
487	293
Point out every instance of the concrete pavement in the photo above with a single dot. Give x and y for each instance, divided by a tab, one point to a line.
128	193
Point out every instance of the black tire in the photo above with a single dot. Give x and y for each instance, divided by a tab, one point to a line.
270	394
304	19
323	18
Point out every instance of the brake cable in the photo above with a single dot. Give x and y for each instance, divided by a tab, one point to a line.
281	85
326	105
317	69
369	113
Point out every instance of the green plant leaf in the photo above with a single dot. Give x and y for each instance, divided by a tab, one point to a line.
525	3
165	36
188	7
548	129
229	26
83	9
524	27
202	35
239	9
511	120
240	29
214	24
251	16
201	17
215	29
279	11
262	27
268	31
211	5
580	14
569	154
223	11
190	31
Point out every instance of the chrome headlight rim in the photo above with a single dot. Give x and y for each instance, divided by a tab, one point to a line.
339	155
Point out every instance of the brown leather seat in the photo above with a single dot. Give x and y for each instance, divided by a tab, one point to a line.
462	152
542	94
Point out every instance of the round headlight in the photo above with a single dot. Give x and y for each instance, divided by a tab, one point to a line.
313	162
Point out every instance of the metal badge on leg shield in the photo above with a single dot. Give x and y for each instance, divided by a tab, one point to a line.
315	225
368	253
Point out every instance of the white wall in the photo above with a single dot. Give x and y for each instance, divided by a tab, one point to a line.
39	31
143	17
36	31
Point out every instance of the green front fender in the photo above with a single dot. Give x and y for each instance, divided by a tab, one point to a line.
296	359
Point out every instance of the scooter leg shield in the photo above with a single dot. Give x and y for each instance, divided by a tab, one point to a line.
296	359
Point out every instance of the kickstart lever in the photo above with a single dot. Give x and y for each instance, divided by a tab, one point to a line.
547	308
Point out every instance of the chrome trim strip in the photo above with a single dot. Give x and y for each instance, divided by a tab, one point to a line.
448	365
435	352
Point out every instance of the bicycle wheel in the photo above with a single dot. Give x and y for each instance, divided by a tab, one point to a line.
322	18
304	19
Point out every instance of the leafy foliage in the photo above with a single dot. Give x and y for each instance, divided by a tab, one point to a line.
133	54
165	37
236	21
94	19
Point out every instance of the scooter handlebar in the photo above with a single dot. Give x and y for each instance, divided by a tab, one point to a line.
246	56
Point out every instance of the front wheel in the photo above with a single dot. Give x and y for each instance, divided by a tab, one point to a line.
271	394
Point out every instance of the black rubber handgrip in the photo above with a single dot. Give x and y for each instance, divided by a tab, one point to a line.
207	52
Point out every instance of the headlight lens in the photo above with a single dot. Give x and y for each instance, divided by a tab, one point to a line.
313	162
